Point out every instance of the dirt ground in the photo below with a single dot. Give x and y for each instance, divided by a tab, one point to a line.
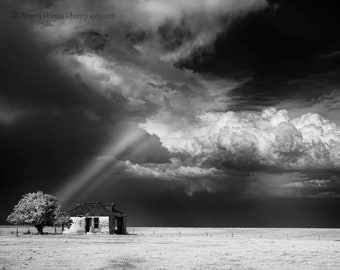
174	248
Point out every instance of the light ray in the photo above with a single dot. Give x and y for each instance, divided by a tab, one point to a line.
98	164
100	179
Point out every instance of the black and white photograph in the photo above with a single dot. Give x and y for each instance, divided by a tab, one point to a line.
170	134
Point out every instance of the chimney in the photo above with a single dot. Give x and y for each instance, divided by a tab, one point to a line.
113	206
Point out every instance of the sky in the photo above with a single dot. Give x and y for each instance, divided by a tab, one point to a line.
184	113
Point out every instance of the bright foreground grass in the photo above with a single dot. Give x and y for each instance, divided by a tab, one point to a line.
175	248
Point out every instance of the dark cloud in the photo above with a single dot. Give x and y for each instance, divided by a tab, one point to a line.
30	79
264	42
289	50
87	41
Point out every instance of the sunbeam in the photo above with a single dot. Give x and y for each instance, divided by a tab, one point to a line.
101	178
94	168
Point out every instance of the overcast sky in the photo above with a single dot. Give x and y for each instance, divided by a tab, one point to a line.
185	113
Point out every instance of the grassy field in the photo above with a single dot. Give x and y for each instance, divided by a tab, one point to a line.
173	248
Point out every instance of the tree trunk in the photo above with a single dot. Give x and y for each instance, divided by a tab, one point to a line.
39	229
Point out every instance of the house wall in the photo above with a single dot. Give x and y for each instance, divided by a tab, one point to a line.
78	225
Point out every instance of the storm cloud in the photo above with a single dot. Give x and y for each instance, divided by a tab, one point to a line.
200	97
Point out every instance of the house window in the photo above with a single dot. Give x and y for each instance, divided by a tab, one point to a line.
96	223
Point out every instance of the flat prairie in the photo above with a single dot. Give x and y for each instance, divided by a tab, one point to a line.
173	248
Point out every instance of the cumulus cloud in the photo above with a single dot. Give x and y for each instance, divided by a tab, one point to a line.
248	139
193	178
327	105
173	170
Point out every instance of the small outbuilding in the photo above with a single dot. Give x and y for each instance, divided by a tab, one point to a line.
97	217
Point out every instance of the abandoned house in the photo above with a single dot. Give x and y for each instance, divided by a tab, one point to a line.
97	217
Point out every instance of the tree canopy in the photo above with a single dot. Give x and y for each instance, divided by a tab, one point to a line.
39	210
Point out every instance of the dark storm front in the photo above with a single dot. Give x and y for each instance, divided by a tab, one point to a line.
234	103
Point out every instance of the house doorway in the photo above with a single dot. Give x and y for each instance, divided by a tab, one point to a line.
87	224
121	225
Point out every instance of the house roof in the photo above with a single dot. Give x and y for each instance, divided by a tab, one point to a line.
101	209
